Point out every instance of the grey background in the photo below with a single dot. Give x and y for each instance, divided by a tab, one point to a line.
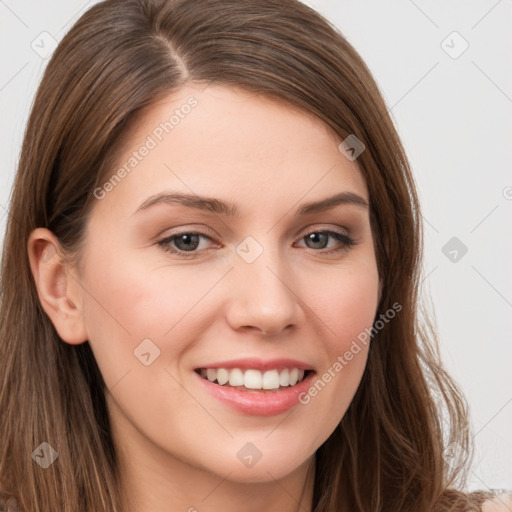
454	117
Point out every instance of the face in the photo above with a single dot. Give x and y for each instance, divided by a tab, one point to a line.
193	305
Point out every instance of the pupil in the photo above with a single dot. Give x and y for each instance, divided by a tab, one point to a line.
316	238
190	241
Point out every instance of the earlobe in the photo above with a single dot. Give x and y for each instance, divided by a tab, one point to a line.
58	290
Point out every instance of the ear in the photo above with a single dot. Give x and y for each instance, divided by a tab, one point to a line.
57	286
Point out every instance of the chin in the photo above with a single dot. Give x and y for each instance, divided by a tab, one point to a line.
261	465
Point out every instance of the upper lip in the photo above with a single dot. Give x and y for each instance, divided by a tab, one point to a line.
251	363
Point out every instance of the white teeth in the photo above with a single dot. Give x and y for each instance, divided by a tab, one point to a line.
271	379
222	376
236	377
253	379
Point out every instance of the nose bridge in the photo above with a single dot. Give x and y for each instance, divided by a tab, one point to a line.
263	295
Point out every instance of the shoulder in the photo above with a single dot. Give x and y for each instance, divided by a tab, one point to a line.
501	502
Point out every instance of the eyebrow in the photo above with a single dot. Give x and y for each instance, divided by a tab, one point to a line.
228	209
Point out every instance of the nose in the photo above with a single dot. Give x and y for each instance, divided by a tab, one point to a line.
264	296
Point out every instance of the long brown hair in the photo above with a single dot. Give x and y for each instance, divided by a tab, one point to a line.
120	57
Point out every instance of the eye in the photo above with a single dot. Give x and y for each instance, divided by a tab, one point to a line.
186	242
319	240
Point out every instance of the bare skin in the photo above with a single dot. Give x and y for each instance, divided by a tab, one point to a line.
502	502
302	298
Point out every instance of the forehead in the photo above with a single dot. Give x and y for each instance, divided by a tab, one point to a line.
229	142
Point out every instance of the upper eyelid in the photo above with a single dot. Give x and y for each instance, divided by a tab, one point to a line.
308	229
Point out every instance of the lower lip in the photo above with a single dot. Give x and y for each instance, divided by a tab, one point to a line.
258	403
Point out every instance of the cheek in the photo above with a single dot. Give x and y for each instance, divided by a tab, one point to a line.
355	307
132	300
346	303
345	308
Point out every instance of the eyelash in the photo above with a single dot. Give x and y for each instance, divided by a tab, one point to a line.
346	242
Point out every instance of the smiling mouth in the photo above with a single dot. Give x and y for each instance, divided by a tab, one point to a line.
251	380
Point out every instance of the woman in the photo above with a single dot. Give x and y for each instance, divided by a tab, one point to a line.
191	169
